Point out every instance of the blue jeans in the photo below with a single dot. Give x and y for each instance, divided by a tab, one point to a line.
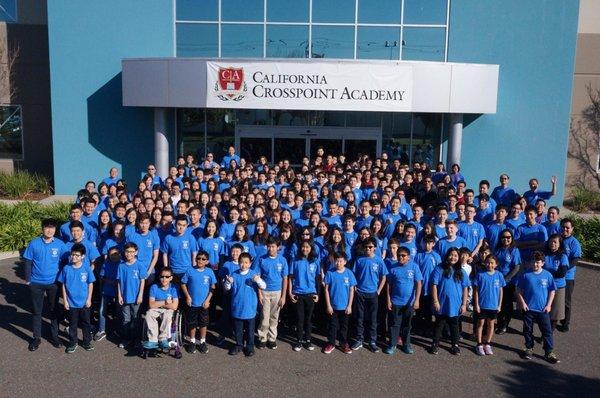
366	311
543	321
129	321
104	302
401	317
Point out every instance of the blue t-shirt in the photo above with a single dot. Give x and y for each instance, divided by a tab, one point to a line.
159	294
179	248
76	282
109	271
504	196
493	231
227	230
440	231
526	232
129	277
471	233
248	247
89	232
535	287
508	259
350	238
215	247
244	292
573	251
532	196
110	243
488	289
443	245
411	246
450	290
91	253
368	271
304	275
146	245
272	271
402	283
339	284
552	263
45	259
198	283
552	228
427	263
227	269
362	222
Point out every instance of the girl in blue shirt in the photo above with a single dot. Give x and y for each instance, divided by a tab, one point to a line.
509	264
449	291
212	244
241	236
557	263
487	296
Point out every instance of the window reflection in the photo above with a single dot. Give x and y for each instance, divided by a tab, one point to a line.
378	43
242	41
432	12
194	10
242	10
197	40
339	11
426	44
333	42
287	41
287	10
379	11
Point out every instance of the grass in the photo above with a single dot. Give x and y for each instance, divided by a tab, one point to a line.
22	184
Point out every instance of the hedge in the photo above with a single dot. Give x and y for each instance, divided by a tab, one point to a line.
22	184
587	232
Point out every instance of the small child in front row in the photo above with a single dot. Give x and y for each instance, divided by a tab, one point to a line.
339	294
77	281
162	304
487	299
198	284
535	293
243	285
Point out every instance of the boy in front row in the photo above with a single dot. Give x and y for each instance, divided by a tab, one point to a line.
535	293
77	281
163	302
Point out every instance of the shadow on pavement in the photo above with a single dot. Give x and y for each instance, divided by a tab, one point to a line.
547	379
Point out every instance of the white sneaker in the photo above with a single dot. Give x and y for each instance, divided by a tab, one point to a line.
479	350
488	350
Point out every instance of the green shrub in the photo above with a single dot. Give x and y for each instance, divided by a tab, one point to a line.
19	184
584	199
587	231
21	222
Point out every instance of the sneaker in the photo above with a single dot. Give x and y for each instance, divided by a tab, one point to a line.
308	346
528	353
501	330
357	345
479	350
70	349
328	349
297	346
123	344
220	341
272	345
407	349
455	350
234	350
190	348
260	345
551	357
563	328
203	348
34	344
249	352
488	349
88	347
346	349
99	336
373	347
56	343
389	350
434	349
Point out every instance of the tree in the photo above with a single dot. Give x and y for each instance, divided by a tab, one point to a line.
8	59
584	142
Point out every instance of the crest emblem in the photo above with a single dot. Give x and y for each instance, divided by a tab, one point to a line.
231	85
54	252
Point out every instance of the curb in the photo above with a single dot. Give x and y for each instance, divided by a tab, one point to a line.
7	255
589	265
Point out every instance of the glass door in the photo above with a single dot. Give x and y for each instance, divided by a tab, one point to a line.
331	146
353	148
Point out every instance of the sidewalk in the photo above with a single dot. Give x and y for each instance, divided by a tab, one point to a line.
46	201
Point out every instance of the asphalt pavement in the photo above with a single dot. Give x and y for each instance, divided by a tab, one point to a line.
110	371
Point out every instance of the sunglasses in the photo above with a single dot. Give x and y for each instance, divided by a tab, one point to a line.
370	247
166	276
201	259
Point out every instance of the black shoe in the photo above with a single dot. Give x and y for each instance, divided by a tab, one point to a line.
203	348
308	346
272	345
88	347
501	330
234	350
297	346
190	348
455	350
249	352
260	345
434	349
563	328
34	344
56	343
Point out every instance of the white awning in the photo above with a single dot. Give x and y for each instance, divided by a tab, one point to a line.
351	85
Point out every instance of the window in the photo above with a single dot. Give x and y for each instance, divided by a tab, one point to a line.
242	41
11	132
287	41
424	44
193	10
378	43
379	11
287	11
242	10
338	11
197	40
333	42
8	11
426	12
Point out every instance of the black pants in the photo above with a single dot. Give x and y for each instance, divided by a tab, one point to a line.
224	322
244	331
400	322
568	295
507	308
424	313
304	311
366	312
338	327
440	323
37	301
79	316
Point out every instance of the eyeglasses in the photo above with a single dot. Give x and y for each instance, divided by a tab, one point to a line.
201	259
166	276
151	168
129	251
76	255
370	247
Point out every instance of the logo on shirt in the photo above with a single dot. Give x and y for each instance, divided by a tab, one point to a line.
508	258
312	267
346	281
206	279
215	246
136	274
496	283
185	244
169	297
148	243
279	267
411	274
84	276
375	267
54	252
544	282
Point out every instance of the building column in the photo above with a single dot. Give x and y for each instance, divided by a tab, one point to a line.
161	142
455	139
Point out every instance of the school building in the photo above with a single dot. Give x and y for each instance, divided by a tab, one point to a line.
486	84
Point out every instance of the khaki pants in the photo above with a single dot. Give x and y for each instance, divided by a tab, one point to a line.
269	316
158	321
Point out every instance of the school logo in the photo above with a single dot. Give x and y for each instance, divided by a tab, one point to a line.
148	243
231	85
185	244
346	281
544	282
312	267
411	274
169	297
84	276
375	267
279	267
496	283
215	246
508	258
206	280
54	252
136	274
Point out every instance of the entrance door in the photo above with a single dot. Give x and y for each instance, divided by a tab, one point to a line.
294	142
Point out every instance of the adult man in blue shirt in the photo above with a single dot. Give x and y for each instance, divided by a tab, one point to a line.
231	155
573	251
113	177
42	257
179	248
533	194
503	194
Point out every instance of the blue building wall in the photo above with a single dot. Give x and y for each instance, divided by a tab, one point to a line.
91	130
534	44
